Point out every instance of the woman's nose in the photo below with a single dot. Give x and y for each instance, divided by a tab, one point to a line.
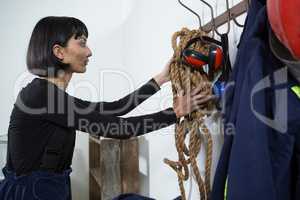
89	52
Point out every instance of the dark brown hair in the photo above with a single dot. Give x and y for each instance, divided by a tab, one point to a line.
47	32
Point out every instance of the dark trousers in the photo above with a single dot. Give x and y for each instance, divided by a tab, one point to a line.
38	185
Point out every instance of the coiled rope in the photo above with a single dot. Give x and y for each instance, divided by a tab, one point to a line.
192	127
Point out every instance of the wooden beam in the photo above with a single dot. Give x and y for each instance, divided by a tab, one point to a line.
114	167
130	166
110	174
235	11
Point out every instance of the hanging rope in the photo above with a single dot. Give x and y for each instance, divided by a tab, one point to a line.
192	127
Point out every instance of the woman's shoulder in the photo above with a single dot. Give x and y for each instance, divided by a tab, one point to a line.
34	93
37	86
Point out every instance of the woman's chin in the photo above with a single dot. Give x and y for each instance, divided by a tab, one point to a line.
81	70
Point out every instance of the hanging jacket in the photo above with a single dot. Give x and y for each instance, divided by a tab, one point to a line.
260	158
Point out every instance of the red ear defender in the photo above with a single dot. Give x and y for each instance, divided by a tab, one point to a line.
216	57
195	58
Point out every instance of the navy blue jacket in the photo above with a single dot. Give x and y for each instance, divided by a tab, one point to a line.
261	154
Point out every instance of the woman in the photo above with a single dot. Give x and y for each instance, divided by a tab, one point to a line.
41	134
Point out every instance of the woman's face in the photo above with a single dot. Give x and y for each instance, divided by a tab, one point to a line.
76	54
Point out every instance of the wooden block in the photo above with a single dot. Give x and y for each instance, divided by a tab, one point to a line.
94	153
130	166
114	167
95	190
110	169
94	162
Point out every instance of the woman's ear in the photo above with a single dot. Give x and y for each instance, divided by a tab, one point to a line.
58	51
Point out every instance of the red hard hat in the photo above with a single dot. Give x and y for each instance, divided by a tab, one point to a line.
284	17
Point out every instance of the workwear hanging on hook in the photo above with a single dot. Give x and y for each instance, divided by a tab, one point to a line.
260	156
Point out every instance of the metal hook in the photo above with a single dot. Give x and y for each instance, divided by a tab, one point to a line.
212	15
189	9
234	17
236	22
228	18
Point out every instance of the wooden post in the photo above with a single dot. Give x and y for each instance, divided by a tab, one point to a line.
130	166
114	167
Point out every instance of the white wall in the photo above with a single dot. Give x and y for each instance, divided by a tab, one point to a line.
131	42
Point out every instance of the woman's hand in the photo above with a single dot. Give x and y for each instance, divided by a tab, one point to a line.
185	104
164	75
